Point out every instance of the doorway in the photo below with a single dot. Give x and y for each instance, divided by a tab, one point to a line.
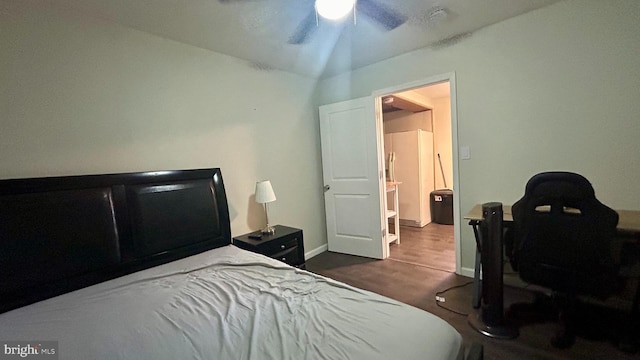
422	113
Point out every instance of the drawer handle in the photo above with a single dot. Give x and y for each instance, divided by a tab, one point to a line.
282	246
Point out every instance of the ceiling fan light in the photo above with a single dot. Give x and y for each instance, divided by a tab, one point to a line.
334	9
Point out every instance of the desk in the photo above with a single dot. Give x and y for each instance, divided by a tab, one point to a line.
628	222
628	226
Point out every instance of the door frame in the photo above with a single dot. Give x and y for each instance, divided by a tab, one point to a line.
377	95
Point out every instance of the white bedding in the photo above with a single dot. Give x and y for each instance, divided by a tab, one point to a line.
229	303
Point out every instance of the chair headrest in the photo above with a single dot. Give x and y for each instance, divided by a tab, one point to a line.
559	184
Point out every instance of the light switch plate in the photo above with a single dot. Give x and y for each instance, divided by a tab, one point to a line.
465	153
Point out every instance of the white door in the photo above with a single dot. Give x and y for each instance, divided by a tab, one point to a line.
352	178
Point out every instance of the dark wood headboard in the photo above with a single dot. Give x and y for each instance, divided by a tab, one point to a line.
59	234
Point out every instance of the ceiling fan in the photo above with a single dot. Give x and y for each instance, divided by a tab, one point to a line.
386	18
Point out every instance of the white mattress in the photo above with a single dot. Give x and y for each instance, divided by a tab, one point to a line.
229	303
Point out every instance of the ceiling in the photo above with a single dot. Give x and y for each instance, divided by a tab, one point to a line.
258	30
412	100
435	91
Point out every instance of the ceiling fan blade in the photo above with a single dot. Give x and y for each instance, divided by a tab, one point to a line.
388	18
305	29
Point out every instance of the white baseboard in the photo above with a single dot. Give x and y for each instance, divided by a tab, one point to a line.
468	272
320	249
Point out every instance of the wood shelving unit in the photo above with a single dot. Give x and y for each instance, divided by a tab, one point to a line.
392	188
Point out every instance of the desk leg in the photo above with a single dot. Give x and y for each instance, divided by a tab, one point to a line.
630	342
636	300
635	318
477	284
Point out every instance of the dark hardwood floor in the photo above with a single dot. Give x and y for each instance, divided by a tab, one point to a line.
406	278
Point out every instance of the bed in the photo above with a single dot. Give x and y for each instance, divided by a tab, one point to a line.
141	265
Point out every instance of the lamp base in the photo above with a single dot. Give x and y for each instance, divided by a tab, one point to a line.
269	230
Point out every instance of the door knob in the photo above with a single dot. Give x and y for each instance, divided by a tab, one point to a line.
326	188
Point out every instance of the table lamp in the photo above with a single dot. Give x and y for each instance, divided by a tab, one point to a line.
265	195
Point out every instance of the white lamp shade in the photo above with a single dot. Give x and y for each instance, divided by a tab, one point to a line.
264	192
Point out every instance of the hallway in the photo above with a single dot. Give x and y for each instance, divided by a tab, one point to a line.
431	246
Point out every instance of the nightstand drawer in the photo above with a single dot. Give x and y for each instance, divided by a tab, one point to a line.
289	256
281	245
286	244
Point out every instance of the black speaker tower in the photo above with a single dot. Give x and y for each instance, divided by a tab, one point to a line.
489	319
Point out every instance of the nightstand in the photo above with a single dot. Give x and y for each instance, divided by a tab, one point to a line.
285	245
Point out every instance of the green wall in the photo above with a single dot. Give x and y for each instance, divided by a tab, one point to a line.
557	88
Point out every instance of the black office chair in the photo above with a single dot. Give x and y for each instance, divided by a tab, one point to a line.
563	237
